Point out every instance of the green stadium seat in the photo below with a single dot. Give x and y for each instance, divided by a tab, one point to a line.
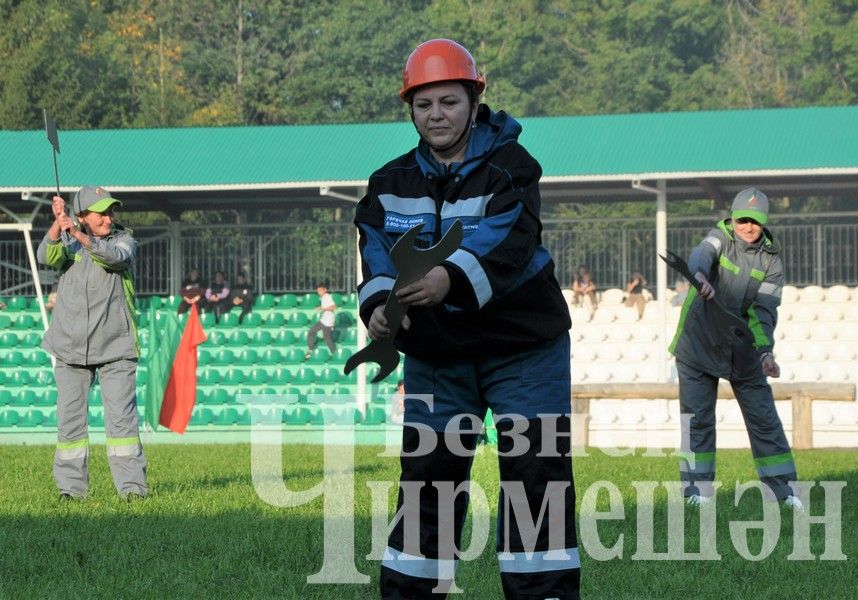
345	319
319	356
293	394
31	339
32	418
18	303
264	301
224	356
3	377
216	338
251	321
274	320
229	319
8	418
170	302
238	338
37	358
142	376
44	377
341	355
340	415
50	418
349	300
247	356
284	337
280	376
141	304
142	320
96	416
293	414
20	378
220	396
15	358
209	376
261	338
308	300
349	336
5	322
24	322
329	375
375	415
207	320
9	339
202	396
301	336
143	337
233	377
94	396
204	357
227	416
305	376
5	398
294	356
257	376
202	415
287	301
298	319
156	302
271	356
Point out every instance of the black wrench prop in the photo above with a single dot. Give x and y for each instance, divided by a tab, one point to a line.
725	318
412	264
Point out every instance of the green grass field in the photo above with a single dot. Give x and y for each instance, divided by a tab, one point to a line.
204	532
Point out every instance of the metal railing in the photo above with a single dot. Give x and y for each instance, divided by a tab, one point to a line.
294	257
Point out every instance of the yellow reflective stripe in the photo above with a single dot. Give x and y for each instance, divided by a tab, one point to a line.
727	264
686	306
126	441
82	443
758	275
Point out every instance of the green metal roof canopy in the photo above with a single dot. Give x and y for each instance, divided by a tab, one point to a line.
700	154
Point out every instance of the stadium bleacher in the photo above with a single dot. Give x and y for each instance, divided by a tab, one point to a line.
262	356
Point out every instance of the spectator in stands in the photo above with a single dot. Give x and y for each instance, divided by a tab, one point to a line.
242	296
739	263
89	334
52	298
217	296
487	328
635	292
326	321
584	290
681	289
192	290
397	404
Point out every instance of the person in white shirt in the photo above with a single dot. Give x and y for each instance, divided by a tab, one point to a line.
325	323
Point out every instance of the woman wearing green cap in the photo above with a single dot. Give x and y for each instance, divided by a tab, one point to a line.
94	330
739	263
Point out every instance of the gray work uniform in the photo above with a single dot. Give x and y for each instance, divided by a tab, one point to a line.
748	280
94	329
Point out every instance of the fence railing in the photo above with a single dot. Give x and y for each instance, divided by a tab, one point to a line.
294	257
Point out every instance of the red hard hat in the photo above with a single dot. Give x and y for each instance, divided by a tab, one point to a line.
439	60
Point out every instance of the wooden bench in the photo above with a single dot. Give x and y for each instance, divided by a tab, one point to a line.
801	394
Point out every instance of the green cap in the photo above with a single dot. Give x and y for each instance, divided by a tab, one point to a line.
93	199
753	204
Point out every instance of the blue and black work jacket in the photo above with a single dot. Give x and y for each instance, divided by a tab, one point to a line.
748	280
503	294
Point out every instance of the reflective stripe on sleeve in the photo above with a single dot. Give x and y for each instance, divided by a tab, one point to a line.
474	272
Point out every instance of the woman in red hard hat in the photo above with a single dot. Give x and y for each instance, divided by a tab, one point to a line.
487	328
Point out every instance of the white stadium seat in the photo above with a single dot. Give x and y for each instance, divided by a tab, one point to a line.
595	332
612	353
850	312
837	293
789	294
812	294
796	331
829	312
807	312
635	353
628	314
788	352
579	315
645	333
842	352
814	352
605	314
568	295
620	333
836	372
847	331
612	297
807	372
824	332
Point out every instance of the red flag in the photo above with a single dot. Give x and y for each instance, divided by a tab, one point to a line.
181	391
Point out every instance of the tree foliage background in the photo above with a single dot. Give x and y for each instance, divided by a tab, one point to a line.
169	63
